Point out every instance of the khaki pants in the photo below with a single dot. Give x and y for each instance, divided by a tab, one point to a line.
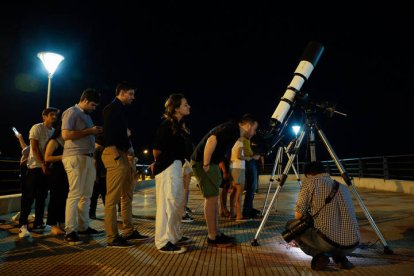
81	176
119	186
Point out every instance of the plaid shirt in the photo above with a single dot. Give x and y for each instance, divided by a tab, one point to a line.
337	219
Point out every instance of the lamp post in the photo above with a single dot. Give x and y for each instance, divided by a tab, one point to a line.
51	61
296	130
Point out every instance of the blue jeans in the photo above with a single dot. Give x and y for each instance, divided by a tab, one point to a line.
251	186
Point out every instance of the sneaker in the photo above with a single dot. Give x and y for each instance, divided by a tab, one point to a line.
119	242
343	262
92	215
90	232
187	218
223	236
220	241
135	236
319	262
183	240
242	219
16	217
24	232
170	248
72	238
41	228
188	210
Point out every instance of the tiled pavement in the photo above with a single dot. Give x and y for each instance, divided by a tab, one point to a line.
393	213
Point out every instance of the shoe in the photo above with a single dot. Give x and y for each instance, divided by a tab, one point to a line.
220	241
223	236
170	248
24	232
55	231
120	242
187	218
188	210
135	236
183	240
255	211
41	228
343	262
90	232
72	238
92	216
16	217
319	262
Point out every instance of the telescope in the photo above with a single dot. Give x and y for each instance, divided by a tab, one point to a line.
308	61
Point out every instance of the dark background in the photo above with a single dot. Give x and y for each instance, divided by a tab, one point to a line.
228	58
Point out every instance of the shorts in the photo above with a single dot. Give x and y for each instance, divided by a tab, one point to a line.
238	175
207	182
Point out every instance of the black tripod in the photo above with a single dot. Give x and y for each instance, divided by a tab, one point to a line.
310	127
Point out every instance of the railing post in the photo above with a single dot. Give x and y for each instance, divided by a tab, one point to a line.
360	168
385	167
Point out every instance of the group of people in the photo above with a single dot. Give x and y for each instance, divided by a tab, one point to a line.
62	159
223	158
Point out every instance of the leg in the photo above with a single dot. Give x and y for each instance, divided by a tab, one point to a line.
210	210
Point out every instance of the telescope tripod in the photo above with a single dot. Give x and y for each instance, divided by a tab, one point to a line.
311	127
277	167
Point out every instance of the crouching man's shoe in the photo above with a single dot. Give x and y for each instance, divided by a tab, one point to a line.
343	262
319	262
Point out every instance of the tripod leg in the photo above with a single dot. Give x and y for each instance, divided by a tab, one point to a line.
281	183
275	166
348	181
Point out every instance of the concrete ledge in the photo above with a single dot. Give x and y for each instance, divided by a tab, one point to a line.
10	203
391	185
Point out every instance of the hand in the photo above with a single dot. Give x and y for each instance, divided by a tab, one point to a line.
97	130
206	167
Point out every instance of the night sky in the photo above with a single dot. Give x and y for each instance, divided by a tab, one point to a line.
227	58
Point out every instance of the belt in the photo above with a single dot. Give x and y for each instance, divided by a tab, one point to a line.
88	154
334	244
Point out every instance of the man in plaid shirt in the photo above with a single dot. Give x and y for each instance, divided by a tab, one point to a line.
335	232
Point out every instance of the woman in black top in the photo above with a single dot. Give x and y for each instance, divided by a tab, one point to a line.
169	154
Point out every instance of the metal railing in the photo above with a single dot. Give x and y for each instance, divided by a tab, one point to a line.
397	167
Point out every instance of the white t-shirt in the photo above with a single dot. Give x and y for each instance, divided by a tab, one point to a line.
235	162
41	133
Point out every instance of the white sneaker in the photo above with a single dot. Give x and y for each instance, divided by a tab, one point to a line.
23	232
16	217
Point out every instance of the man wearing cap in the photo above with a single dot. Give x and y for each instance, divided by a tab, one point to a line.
35	186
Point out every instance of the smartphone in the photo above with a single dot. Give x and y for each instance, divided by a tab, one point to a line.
15	131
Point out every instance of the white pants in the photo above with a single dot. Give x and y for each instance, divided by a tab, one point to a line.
169	194
81	175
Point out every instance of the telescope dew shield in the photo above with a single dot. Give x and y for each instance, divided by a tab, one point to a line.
309	59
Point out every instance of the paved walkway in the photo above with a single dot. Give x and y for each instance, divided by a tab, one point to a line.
393	213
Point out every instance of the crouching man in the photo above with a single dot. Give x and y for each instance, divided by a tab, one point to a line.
335	232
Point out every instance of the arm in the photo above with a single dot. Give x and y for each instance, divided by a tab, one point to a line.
34	144
208	151
50	148
77	134
21	141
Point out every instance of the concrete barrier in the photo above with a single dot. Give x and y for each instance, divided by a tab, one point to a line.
389	185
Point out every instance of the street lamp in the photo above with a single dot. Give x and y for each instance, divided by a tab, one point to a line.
296	130
51	61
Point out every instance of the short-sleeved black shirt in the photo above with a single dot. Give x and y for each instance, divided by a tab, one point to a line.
171	144
226	134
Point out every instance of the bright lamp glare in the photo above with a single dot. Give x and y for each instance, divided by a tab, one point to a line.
296	129
50	60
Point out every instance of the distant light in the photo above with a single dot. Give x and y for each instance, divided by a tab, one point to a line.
50	60
296	129
145	151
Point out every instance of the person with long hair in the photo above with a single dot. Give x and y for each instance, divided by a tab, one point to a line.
169	155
